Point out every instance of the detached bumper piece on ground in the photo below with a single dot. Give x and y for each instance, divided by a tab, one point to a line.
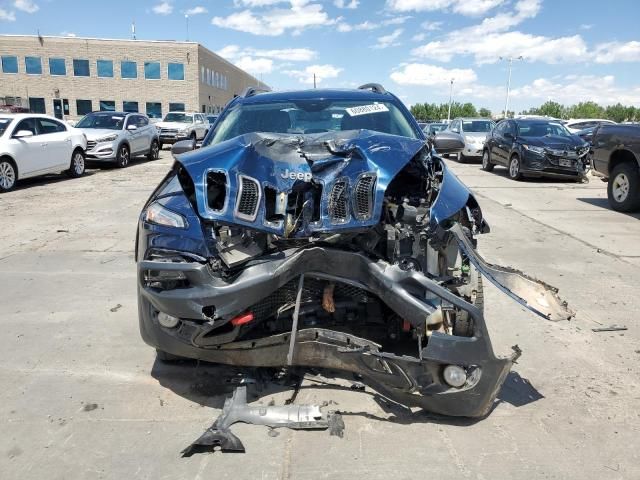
236	409
352	251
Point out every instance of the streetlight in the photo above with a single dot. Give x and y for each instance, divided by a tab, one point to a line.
450	97
506	103
186	18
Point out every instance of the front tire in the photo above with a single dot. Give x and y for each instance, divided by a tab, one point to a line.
8	175
487	166
122	157
154	151
514	168
623	188
77	165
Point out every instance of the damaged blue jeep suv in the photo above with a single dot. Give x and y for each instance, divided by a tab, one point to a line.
321	229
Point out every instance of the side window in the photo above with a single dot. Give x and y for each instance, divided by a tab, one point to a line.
500	128
511	128
50	126
141	121
131	120
28	124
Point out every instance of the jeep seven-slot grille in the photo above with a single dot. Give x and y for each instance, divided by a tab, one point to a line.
363	197
338	208
249	198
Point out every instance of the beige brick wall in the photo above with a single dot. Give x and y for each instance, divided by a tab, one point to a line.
190	91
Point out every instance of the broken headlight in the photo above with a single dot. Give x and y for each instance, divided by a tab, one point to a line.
534	149
158	214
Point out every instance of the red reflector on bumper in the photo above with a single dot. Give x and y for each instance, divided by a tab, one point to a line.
242	319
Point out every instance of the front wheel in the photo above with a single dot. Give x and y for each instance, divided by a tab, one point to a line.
76	168
487	166
122	157
154	151
7	175
623	188
514	168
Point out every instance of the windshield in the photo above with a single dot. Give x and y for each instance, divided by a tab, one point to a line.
542	129
108	121
312	116
479	126
4	123
178	117
436	128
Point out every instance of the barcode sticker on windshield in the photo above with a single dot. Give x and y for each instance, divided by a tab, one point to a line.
366	109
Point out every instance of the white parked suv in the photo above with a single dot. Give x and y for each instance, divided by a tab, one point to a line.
32	145
119	136
176	126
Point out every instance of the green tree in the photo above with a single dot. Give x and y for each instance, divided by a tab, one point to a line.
551	109
586	110
617	112
484	112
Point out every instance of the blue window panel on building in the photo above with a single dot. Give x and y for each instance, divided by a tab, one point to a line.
128	69
152	70
33	65
105	68
9	64
80	68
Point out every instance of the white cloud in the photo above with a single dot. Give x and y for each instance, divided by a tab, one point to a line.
390	40
586	26
26	6
578	88
420	74
464	7
68	34
322	72
254	65
431	26
196	10
7	16
491	38
299	15
163	8
419	37
617	52
353	4
284	54
256	3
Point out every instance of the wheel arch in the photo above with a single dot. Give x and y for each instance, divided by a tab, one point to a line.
621	155
6	156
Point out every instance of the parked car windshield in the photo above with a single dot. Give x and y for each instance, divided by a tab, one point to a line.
433	128
178	117
101	120
480	126
4	123
542	129
312	116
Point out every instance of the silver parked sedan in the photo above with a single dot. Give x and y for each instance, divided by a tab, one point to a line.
474	131
119	136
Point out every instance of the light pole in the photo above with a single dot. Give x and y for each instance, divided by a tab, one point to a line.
450	98
506	103
186	18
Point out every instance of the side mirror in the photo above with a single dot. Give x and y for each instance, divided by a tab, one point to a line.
448	142
23	134
132	127
182	146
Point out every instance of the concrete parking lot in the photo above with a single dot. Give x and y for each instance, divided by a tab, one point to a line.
81	396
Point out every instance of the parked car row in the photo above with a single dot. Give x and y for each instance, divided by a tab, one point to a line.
35	144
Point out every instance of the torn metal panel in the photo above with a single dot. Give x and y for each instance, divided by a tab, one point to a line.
236	409
539	297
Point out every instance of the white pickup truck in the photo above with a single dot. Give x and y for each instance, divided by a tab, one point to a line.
178	126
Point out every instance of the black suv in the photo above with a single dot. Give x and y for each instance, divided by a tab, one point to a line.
535	148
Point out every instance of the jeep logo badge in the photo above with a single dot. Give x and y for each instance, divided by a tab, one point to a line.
305	177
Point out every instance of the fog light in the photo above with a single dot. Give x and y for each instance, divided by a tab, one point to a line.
455	375
167	321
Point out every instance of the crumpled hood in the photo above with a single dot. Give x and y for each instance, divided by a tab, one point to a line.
96	133
176	125
282	165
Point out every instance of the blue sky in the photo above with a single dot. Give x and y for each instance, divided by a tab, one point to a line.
572	50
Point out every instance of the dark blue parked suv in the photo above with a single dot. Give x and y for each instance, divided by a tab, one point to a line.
319	229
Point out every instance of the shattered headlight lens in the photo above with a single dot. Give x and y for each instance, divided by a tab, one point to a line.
534	149
157	214
108	138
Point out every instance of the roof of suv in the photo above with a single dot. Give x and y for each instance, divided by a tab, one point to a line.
316	94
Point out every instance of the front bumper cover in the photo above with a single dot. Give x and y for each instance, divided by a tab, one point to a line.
413	381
